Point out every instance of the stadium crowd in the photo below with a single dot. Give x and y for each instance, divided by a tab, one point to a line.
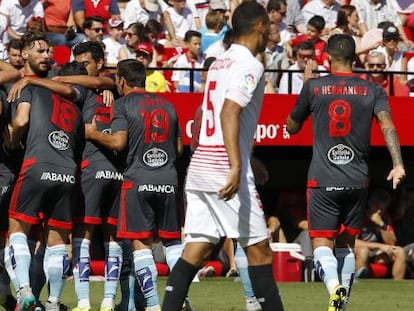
38	41
383	26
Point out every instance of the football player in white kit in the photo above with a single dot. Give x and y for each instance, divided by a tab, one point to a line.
221	195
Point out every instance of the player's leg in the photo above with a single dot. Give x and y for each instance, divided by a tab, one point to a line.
81	240
113	266
18	260
260	258
56	264
127	279
240	259
193	258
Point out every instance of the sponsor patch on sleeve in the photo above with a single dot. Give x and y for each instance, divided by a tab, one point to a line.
248	83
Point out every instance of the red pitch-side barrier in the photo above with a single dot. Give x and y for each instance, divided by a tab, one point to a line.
271	128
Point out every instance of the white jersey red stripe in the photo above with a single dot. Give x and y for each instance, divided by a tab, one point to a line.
236	75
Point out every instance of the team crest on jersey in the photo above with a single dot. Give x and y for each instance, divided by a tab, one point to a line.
340	154
155	157
59	140
248	83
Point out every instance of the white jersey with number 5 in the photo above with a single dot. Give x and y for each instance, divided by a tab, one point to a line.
236	75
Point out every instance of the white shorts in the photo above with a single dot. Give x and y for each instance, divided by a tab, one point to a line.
208	218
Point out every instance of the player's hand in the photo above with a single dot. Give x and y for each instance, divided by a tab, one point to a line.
232	186
108	98
396	175
376	218
90	128
17	88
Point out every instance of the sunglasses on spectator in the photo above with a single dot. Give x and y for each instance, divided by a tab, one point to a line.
97	29
376	65
395	39
305	56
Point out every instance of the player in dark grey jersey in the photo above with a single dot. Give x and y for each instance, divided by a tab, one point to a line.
9	166
146	125
52	130
342	107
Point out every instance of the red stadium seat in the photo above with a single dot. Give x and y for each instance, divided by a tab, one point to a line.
62	54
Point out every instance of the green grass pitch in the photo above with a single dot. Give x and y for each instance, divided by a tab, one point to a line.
221	294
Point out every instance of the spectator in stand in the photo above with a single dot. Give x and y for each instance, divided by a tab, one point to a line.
405	10
14	55
305	58
376	63
60	25
275	57
395	59
114	42
294	16
314	30
18	13
219	47
182	19
191	59
141	11
155	81
214	24
377	241
328	9
133	35
373	12
276	10
153	35
105	9
3	32
93	27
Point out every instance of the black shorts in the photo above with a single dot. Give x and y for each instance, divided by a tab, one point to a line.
146	209
6	187
43	188
335	209
100	187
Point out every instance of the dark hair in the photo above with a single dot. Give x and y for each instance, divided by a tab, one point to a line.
132	71
153	26
306	45
29	38
72	68
275	5
245	17
318	22
139	30
341	48
342	18
190	34
93	47
13	44
87	24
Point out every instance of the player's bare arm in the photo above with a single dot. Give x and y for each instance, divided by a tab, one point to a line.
229	118
62	89
19	124
292	126
115	141
393	144
96	83
8	73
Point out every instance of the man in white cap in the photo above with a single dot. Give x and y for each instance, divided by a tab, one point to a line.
114	42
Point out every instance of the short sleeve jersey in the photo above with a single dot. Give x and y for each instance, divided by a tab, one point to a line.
152	126
236	75
56	129
93	106
342	108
